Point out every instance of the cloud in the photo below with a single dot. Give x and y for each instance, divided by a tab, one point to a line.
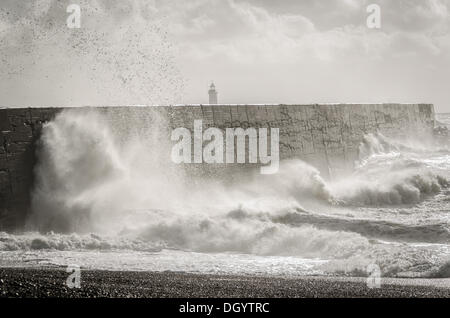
255	32
415	15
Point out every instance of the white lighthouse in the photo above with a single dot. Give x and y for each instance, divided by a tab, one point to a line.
212	94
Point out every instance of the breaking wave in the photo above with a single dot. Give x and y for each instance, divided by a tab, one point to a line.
94	177
70	242
388	173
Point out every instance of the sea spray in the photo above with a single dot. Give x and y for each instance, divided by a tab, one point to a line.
88	169
388	172
120	56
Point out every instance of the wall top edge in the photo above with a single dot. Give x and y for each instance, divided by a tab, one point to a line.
217	105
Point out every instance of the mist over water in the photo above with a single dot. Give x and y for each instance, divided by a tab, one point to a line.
103	187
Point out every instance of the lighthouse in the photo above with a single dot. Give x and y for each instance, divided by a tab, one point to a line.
212	94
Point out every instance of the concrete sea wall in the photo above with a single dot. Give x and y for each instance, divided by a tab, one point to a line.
326	136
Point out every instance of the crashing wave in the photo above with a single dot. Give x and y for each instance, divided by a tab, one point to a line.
387	174
139	201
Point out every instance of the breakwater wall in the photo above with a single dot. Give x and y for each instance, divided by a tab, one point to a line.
326	136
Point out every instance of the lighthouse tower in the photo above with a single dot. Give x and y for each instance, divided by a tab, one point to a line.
212	94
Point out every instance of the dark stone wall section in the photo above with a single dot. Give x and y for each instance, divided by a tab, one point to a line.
327	136
19	131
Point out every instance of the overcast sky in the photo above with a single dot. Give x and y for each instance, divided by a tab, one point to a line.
256	51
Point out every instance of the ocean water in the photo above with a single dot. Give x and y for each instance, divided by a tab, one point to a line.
109	199
443	119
